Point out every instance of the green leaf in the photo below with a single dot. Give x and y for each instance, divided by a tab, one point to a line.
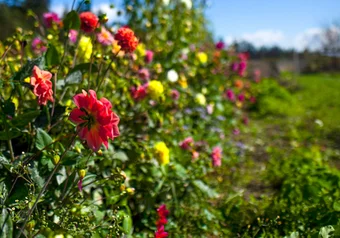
39	181
6	224
24	119
205	188
336	206
43	139
326	232
127	224
120	155
72	21
12	133
8	108
74	77
26	70
52	56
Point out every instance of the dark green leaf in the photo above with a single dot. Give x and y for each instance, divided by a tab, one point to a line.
43	139
24	119
70	158
9	108
12	133
52	56
6	224
71	21
84	68
39	181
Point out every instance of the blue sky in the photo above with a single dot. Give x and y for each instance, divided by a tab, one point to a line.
288	23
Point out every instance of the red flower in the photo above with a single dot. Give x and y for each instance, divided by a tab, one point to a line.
160	233
89	21
96	122
140	92
42	85
126	39
162	211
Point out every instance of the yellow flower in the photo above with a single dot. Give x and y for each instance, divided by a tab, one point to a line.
140	50
155	89
162	153
183	81
85	47
200	99
202	57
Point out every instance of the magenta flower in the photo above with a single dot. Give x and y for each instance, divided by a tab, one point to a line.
148	56
230	95
72	36
252	99
38	46
241	97
242	67
234	67
105	37
220	45
216	156
49	18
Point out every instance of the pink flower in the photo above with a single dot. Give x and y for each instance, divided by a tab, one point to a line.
210	109
72	36
140	92
41	80
144	74
216	156
230	95
195	154
160	233
187	143
174	94
244	56
105	37
49	18
148	56
220	45
96	122
38	46
236	132
242	67
234	67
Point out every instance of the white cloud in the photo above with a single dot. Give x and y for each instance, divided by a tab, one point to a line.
310	38
264	37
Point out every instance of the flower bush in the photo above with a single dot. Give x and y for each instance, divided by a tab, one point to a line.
155	108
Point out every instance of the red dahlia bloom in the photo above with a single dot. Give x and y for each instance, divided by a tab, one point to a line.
187	143
95	120
162	211
89	21
41	80
126	39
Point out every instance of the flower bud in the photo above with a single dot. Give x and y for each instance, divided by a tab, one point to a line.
81	173
56	159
